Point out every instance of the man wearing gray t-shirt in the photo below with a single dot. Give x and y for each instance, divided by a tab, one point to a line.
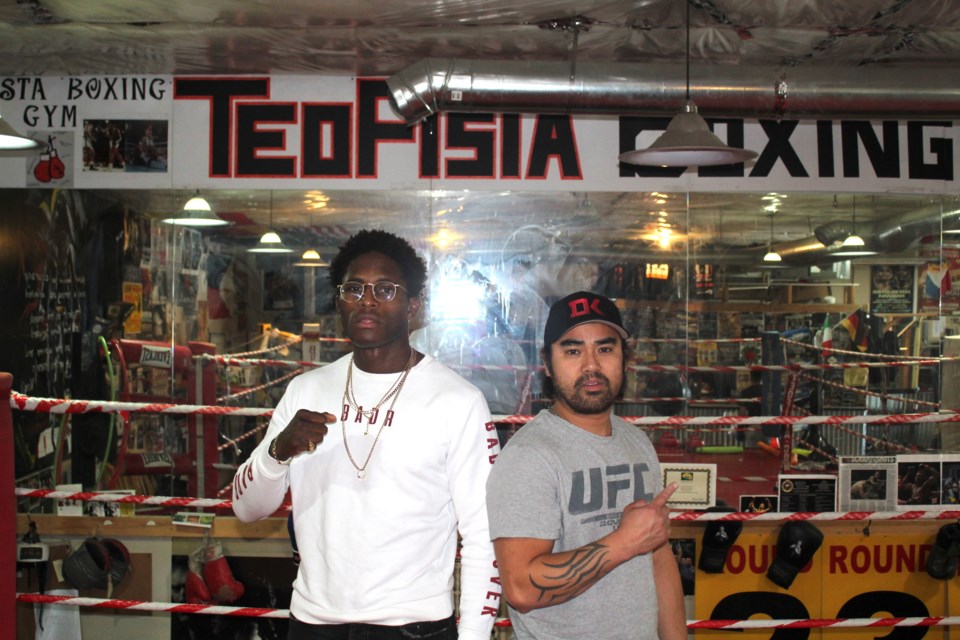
580	537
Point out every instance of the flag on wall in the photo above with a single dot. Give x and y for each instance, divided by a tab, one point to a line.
937	281
826	337
856	325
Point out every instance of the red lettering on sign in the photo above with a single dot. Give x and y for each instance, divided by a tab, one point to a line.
887	558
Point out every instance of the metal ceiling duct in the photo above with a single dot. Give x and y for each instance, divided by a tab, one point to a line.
889	236
437	84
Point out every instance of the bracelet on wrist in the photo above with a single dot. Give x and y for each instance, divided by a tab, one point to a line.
272	450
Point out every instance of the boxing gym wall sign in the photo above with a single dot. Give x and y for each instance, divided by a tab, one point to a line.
336	132
846	576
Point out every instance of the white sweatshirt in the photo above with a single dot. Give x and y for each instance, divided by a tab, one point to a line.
381	549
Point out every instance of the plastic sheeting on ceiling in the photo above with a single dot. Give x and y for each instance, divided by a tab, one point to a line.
368	37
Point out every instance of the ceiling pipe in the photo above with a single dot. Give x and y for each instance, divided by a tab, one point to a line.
452	84
888	236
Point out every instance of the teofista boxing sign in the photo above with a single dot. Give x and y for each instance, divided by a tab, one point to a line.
340	133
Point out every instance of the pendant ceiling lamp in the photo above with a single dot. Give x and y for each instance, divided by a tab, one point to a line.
687	140
311	257
197	213
270	242
12	144
772	255
853	245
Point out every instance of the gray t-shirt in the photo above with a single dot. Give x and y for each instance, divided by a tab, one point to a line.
555	481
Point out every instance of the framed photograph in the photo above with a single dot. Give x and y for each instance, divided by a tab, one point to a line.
919	482
891	288
868	483
697	484
808	493
950	479
759	503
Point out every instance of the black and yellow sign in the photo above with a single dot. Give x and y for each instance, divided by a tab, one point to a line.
851	576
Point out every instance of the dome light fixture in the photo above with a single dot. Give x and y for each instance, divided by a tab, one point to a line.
771	255
12	144
270	242
687	141
196	213
853	245
311	258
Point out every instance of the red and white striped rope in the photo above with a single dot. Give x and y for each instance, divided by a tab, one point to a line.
260	387
683	516
900	418
886	443
65	405
96	496
865	392
136	605
861	354
254	612
244	362
243	436
825	623
260	362
22	402
279	347
657	368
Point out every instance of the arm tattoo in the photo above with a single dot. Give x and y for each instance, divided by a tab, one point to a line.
577	573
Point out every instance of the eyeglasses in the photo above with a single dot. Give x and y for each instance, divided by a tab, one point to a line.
382	291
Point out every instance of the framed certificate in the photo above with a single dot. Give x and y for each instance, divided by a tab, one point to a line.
696	484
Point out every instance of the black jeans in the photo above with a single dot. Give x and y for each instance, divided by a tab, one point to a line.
435	630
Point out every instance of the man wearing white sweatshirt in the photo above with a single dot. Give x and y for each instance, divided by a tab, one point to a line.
386	453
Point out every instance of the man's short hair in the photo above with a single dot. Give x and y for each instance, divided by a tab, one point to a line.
412	266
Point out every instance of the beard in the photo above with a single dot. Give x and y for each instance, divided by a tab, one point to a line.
587	402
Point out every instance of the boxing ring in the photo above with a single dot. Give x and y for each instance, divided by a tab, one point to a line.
204	409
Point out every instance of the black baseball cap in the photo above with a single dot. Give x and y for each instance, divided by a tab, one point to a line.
579	308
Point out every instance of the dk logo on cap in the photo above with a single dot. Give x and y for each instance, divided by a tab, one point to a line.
579	308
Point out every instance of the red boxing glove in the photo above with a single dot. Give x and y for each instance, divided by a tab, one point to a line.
42	171
219	578
197	591
57	168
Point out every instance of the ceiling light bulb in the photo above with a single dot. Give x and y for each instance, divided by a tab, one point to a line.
197	203
853	240
14	144
196	213
270	237
311	258
270	242
772	256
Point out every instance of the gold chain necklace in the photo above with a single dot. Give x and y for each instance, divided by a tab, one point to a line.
394	392
349	398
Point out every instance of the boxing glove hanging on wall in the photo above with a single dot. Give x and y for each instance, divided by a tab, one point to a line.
718	537
796	544
942	561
